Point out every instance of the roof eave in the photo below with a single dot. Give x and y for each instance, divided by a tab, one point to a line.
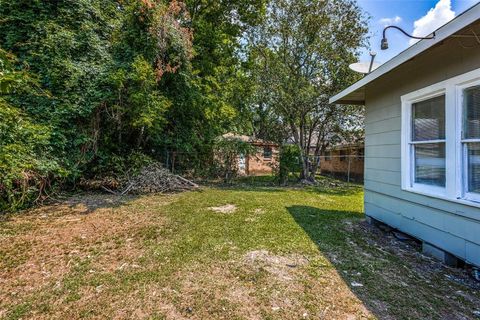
455	25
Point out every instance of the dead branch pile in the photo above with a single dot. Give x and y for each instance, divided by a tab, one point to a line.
153	179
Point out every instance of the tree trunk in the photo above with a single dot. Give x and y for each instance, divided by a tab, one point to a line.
316	162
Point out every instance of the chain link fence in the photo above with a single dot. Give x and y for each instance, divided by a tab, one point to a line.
347	167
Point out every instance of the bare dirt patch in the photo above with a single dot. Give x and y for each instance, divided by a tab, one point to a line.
228	208
276	265
263	285
97	231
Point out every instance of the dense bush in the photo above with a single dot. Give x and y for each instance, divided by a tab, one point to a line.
26	162
289	162
117	84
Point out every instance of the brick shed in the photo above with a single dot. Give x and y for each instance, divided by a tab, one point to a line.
262	162
344	161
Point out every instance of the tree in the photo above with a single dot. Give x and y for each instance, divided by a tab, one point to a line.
66	44
302	52
210	99
26	161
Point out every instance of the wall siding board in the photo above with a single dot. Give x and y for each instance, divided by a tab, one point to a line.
449	225
382	113
395	191
443	220
392	137
380	151
383	126
472	253
390	164
391	177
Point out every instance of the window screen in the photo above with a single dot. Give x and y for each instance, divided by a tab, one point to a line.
471	136
429	119
471	100
430	164
473	161
428	141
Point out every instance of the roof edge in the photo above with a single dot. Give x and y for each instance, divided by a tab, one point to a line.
466	18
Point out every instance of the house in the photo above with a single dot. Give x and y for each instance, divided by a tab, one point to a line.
344	161
422	140
263	161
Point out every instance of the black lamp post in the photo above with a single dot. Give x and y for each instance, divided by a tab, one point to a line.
384	45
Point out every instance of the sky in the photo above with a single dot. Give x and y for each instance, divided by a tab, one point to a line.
417	17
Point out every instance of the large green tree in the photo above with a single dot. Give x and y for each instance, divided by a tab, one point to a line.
66	43
211	98
103	64
301	53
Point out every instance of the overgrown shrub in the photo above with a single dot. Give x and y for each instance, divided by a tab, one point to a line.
289	162
26	164
226	154
114	165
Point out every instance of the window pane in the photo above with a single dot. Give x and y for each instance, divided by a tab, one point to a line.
472	112
430	164
473	151
429	119
267	152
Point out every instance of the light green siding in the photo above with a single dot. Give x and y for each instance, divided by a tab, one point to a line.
448	225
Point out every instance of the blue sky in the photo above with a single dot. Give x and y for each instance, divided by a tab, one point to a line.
419	17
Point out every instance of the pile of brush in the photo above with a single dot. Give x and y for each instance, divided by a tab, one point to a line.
153	178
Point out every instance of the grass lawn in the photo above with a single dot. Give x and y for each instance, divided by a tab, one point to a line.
243	252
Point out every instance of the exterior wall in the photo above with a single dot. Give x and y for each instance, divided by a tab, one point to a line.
258	165
339	167
448	225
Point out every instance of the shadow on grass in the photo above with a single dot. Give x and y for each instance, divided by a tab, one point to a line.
322	225
391	278
326	229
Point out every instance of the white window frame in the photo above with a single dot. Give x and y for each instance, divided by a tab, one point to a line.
455	152
462	148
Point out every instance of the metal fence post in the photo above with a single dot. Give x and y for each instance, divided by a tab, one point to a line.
348	174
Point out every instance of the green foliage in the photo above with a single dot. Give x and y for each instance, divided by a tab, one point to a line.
300	56
289	162
125	80
119	83
26	164
66	44
227	152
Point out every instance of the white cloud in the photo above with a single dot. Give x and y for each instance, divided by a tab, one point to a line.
435	18
389	21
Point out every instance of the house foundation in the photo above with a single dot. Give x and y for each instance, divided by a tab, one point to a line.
427	248
439	254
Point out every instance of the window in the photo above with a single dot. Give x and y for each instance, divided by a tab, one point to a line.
328	156
428	141
343	155
360	154
471	141
441	140
267	153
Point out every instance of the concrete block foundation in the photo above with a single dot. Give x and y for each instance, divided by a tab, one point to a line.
439	254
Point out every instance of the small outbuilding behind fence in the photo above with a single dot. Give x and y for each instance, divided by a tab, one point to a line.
263	161
344	161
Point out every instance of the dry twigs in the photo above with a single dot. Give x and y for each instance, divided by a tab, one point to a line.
155	179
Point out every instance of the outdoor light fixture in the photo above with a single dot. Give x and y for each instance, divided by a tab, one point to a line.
384	44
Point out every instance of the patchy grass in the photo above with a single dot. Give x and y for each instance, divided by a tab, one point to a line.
283	253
